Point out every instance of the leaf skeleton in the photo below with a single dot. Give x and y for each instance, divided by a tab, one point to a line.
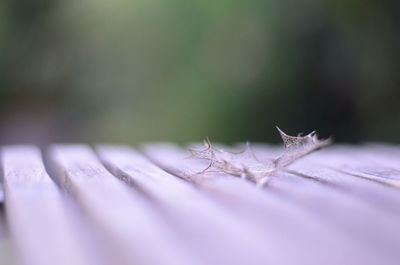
247	165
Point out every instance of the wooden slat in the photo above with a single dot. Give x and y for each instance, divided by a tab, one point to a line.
323	166
345	211
330	198
379	196
210	230
385	155
363	163
322	241
36	213
135	232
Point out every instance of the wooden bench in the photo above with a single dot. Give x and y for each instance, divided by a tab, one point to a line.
81	205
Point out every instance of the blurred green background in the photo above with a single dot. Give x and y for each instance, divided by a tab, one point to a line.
152	70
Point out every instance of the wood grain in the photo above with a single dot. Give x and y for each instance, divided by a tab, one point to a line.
324	167
340	205
37	217
364	162
323	183
135	232
307	228
210	230
328	192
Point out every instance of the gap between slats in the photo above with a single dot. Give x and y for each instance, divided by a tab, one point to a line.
222	193
135	231
359	162
318	167
210	229
39	222
355	215
378	195
166	157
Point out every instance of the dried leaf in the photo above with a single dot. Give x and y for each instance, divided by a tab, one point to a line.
246	165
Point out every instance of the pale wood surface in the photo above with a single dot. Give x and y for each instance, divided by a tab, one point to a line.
307	184
36	211
312	199
130	223
116	205
198	218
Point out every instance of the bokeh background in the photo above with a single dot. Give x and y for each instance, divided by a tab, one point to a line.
153	70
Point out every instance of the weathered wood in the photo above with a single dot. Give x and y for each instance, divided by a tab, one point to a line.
330	196
38	221
340	205
364	163
355	217
323	166
384	155
136	233
306	228
379	196
354	203
210	230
